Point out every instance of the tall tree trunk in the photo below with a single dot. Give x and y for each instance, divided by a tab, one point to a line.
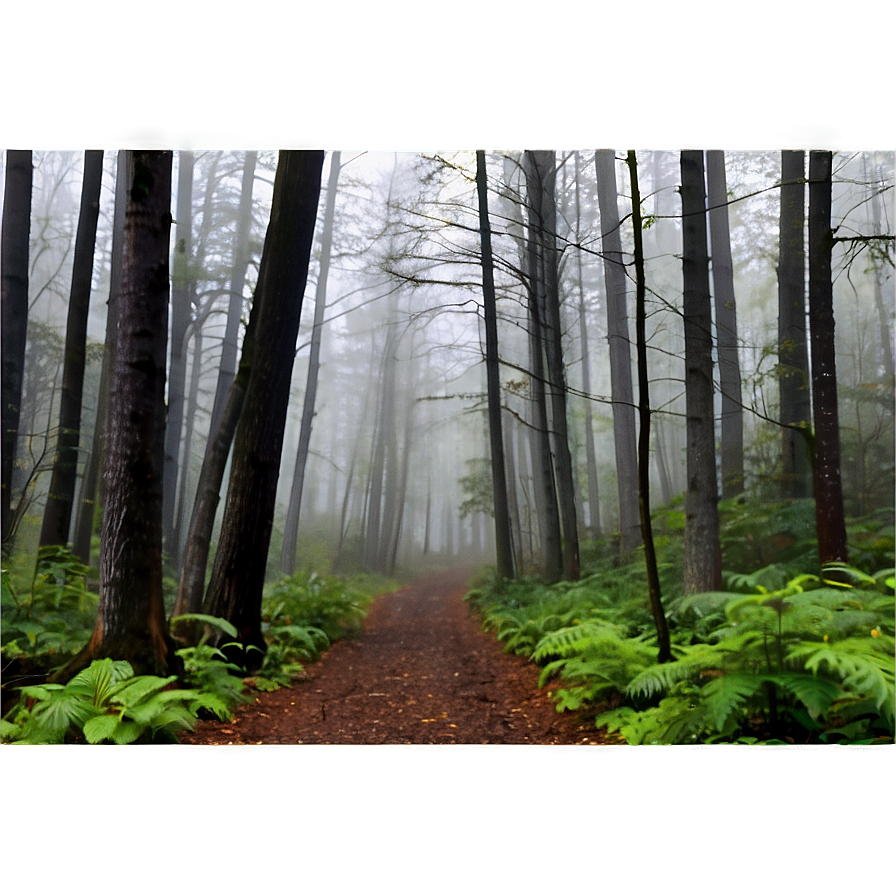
228	364
61	497
14	243
590	456
622	392
654	592
291	525
503	539
208	493
235	589
793	348
732	429
884	314
181	277
661	467
540	180
702	555
829	516
87	507
542	461
130	623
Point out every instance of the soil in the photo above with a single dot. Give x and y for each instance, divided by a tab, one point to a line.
423	671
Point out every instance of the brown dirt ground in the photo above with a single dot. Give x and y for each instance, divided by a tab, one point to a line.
422	671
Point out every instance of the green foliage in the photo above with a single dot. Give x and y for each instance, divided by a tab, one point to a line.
47	607
814	658
303	614
335	606
105	703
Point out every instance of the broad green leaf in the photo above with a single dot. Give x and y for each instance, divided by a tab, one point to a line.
100	728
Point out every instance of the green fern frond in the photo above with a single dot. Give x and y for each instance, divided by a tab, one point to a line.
661	677
863	665
814	692
729	692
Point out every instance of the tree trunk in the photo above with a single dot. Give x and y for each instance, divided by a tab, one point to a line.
622	392
241	254
793	349
90	497
540	185
291	525
732	429
503	539
829	516
181	306
237	580
654	591
61	498
702	556
884	314
590	456
542	461
130	623
14	244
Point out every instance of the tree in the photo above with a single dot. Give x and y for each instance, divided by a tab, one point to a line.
14	277
590	456
620	352
87	505
291	525
130	623
540	179
61	498
654	592
181	277
702	556
503	541
235	589
829	517
793	349
732	417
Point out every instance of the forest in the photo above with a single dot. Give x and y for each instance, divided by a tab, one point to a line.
646	396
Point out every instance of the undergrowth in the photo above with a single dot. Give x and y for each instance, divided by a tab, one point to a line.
780	656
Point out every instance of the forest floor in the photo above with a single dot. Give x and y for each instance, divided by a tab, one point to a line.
422	671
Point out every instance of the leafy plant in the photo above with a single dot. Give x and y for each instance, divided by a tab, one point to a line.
807	658
105	702
49	609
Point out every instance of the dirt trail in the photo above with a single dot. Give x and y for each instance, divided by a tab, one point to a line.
422	672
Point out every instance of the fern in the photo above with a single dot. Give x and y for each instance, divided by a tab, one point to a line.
864	666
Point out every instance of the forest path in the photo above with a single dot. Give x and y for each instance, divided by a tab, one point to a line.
421	672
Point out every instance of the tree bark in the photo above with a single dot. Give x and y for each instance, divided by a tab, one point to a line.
235	589
590	456
61	497
829	516
503	539
294	508
702	556
542	460
227	366
130	623
654	591
622	392
732	419
181	307
793	349
14	245
90	496
541	199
